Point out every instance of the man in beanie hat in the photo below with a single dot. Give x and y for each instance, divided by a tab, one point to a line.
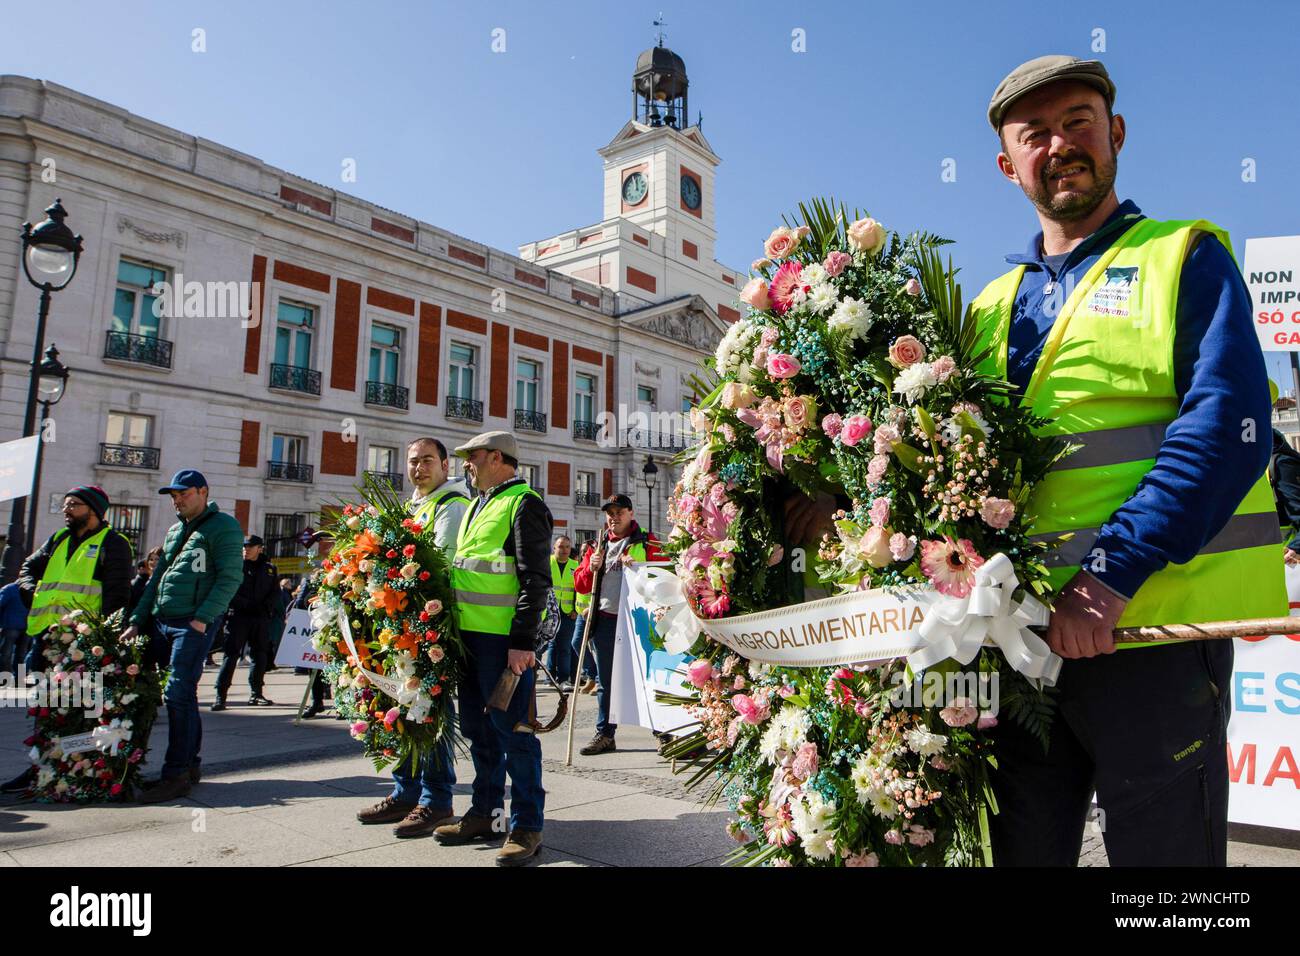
86	565
1131	337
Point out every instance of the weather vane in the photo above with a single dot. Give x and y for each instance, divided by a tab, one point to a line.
661	23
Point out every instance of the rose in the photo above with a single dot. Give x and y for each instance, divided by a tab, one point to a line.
880	512
133	669
736	396
781	243
856	428
754	294
782	365
353	523
906	351
751	710
435	653
943	368
433	607
959	713
832	425
867	235
887	436
83	629
97	651
758	265
410	570
997	512
836	262
359	728
700	673
901	546
874	547
798	409
912	287
805	761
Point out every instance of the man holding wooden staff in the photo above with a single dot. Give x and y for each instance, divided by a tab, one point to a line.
1133	337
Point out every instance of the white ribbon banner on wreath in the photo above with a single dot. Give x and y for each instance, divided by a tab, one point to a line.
106	739
386	684
917	622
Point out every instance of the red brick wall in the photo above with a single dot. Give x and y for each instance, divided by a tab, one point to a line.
642	280
727	314
307	199
586	298
242	507
557	479
465	255
347	331
559	384
337	457
390	301
298	275
581	354
690	249
249	437
459	320
426	374
636	236
499	385
608	483
392	229
531	279
532	340
609	386
253	335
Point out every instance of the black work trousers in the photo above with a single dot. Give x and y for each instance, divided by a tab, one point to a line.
241	632
1146	730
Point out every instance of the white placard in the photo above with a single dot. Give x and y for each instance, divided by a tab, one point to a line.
77	743
296	649
17	467
640	670
1273	277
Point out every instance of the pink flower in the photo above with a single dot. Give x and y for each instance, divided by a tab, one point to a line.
997	512
950	565
797	408
959	713
715	604
856	428
758	265
901	546
133	669
432	608
874	547
733	731
728	432
863	708
805	761
943	368
894	838
735	396
912	287
836	262
867	235
97	651
782	365
700	673
938	763
907	350
986	722
784	283
359	728
775	557
880	512
836	688
115	789
751	710
718	493
786	690
862	859
781	242
716	520
754	294
780	831
738	683
768	337
832	424
876	469
920	836
887	437
391	717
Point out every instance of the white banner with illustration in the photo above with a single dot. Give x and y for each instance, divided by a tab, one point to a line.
296	649
640	669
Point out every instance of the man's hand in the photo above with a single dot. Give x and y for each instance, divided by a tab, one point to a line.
807	519
1083	621
199	626
520	661
1291	557
573	615
130	632
597	559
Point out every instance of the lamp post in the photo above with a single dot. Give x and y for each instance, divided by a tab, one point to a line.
50	256
52	384
650	475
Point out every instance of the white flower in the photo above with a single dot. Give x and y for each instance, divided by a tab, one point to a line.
952	427
128	699
822	298
735	352
788	729
921	741
882	804
759	670
810	816
814	275
913	381
853	315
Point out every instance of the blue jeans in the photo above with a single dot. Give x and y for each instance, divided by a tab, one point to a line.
588	662
11	646
185	649
562	655
35	657
430	785
494	744
602	640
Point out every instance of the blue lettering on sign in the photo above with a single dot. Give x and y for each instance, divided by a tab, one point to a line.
1289	686
1240	690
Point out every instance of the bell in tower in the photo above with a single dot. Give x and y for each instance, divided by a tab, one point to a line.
659	87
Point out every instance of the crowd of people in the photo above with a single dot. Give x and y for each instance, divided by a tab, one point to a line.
211	587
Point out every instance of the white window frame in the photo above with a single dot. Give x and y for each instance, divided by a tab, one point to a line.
145	261
303	444
149	431
477	367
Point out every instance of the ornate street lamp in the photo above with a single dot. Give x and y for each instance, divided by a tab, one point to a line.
50	256
650	475
52	383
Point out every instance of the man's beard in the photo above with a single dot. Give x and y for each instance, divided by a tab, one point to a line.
1071	208
77	524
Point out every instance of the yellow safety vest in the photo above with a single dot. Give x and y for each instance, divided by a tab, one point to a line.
482	574
1105	379
68	583
562	583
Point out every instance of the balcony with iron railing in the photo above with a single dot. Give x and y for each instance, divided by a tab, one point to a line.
466	409
667	441
527	421
586	499
128	456
289	471
387	395
291	378
140	349
392	478
586	431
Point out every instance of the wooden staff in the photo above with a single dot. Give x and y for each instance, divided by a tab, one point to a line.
586	636
1213	631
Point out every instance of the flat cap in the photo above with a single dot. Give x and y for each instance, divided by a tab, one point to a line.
503	442
1043	70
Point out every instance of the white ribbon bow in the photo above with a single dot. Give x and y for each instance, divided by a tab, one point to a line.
660	587
956	627
110	739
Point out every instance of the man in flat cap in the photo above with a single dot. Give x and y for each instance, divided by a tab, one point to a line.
1133	337
501	574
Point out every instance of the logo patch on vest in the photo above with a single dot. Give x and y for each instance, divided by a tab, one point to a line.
92	550
1113	296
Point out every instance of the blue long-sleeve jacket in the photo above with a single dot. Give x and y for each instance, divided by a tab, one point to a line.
1204	466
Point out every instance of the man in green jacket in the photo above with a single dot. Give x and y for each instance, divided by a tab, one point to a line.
201	568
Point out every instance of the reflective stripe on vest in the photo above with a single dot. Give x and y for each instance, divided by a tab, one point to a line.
482	575
1105	380
562	584
68	584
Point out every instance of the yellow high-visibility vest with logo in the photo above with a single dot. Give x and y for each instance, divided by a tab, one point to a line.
562	583
68	584
483	575
427	511
1105	379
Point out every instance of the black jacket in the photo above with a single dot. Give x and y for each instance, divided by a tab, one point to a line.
1284	469
258	592
112	570
530	546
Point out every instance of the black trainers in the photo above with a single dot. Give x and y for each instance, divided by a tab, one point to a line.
219	704
21	783
256	699
312	711
195	773
600	744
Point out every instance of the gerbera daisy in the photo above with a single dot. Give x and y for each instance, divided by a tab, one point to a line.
950	565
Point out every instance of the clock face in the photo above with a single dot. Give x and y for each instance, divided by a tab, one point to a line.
634	188
690	192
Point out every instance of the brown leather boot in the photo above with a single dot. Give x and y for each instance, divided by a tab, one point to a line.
467	830
386	810
422	821
521	846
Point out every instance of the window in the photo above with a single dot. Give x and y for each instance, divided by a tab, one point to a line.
135	297
529	474
464	370
382	459
281	534
130	521
132	430
293	334
584	401
586	482
385	354
528	377
688	402
289	449
645	396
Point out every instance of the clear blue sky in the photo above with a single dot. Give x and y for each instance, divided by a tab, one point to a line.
500	147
